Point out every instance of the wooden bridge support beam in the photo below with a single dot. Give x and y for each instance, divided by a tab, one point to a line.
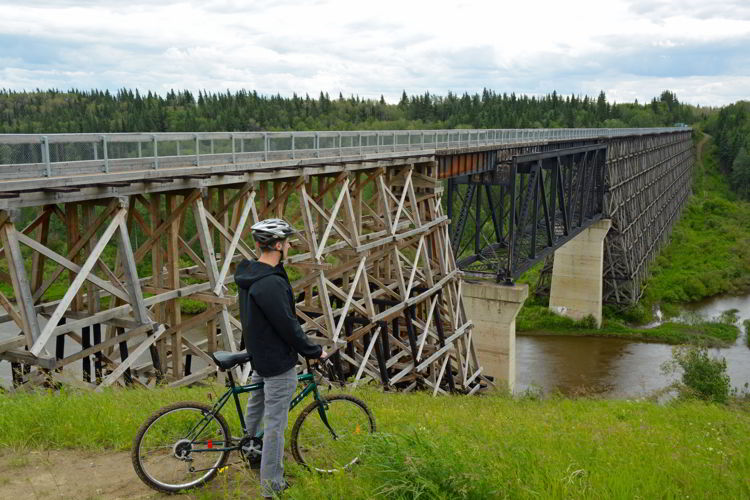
373	274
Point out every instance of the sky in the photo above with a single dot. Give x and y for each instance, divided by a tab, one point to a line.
630	49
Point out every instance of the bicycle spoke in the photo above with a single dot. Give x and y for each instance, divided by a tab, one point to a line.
315	445
176	440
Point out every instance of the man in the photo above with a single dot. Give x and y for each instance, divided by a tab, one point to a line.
273	337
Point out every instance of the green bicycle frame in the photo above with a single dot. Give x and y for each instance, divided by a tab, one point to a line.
235	390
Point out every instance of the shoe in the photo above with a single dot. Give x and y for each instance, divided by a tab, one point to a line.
279	491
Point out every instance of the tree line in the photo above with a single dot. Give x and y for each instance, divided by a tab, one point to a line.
75	111
731	130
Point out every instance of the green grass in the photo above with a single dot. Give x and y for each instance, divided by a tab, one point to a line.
457	447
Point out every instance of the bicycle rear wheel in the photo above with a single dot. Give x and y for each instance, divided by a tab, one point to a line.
180	446
338	445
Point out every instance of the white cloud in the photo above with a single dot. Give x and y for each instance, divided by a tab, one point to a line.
630	49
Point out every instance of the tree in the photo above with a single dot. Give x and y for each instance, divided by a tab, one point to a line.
739	179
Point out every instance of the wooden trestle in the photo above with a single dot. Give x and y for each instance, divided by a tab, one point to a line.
376	280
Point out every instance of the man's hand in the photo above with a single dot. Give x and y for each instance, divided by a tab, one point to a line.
323	355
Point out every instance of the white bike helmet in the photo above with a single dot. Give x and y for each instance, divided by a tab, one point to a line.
269	231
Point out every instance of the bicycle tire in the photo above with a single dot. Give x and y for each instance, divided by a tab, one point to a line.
313	444
175	416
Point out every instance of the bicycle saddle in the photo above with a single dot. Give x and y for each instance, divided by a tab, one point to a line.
226	360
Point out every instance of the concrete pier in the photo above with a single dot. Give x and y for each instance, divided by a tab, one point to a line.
493	309
576	288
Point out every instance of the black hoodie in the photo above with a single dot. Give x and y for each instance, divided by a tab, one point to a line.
272	333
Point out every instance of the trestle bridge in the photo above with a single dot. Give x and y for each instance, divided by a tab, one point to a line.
136	230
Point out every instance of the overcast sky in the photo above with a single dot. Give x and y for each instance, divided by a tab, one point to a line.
699	49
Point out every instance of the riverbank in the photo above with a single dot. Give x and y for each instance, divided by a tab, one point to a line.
537	319
450	447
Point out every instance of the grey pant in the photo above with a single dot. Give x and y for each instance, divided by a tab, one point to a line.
271	402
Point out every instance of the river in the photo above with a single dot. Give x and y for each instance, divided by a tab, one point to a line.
618	368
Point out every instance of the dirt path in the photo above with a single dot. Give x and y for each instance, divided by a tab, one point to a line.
81	475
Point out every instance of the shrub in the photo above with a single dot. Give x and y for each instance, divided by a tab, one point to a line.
588	322
746	324
729	317
702	376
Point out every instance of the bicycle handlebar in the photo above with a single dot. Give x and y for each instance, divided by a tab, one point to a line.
326	364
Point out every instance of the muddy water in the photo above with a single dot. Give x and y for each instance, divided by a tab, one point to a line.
618	368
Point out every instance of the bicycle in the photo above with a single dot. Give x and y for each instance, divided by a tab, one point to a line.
183	445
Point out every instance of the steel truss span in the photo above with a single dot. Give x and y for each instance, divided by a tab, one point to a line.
509	218
648	180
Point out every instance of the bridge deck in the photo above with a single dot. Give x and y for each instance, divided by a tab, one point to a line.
55	162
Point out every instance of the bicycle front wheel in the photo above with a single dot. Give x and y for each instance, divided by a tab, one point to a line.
180	446
338	445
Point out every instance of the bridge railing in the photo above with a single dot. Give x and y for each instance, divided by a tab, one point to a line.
56	154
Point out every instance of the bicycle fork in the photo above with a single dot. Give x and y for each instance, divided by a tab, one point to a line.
322	407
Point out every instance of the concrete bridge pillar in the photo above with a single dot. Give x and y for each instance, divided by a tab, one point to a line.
493	309
576	288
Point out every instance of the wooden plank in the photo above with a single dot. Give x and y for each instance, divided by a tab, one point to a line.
366	357
194	377
349	297
77	282
400	205
308	221
212	270
157	232
20	283
322	215
131	276
193	256
12	343
233	244
244	249
332	219
101	219
141	330
440	375
29	359
448	345
11	311
134	355
423	337
104	285
174	315
37	260
325	301
125	310
414	267
198	352
204	297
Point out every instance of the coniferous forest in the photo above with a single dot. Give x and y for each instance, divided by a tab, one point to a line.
54	111
77	111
